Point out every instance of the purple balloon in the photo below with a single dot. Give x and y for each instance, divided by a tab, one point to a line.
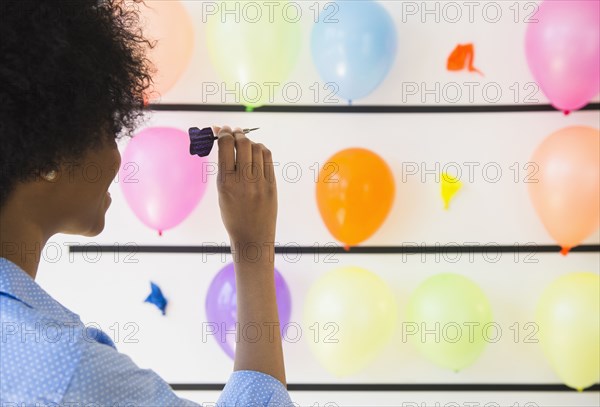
221	307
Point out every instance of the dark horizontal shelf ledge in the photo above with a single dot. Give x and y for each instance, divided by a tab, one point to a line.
363	108
323	249
485	387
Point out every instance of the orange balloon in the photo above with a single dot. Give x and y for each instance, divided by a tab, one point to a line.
355	192
168	23
566	195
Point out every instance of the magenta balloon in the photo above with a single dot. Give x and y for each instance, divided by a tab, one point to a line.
221	308
161	181
563	51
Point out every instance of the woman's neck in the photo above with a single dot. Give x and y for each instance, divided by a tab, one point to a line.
22	240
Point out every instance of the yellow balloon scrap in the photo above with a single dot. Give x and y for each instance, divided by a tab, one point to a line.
450	186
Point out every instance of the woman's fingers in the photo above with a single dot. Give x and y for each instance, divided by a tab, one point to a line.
239	154
269	168
257	161
243	151
226	150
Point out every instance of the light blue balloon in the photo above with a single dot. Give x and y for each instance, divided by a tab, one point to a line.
354	45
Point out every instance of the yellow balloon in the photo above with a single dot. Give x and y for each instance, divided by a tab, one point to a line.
568	317
253	48
350	314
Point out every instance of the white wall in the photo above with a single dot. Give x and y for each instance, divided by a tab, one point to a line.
110	291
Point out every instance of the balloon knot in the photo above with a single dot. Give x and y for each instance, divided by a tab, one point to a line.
160	232
565	250
567	112
249	108
347	248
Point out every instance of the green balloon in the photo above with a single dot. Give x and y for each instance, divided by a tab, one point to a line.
449	319
253	49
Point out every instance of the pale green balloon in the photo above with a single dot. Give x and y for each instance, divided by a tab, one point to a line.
568	317
452	318
257	52
349	315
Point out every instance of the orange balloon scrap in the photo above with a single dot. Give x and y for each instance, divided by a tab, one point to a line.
463	57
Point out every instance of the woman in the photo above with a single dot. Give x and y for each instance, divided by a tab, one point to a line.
73	79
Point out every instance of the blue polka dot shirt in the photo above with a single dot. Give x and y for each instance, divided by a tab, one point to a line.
49	357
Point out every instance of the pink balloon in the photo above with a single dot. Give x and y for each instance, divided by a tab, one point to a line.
563	51
161	181
565	190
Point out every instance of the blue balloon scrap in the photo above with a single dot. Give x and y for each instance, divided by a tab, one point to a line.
157	298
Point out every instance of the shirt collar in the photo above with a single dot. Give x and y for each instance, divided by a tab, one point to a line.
16	283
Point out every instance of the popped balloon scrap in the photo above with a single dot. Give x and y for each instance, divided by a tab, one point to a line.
463	57
449	187
157	298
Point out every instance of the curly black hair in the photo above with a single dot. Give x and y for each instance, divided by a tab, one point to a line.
69	71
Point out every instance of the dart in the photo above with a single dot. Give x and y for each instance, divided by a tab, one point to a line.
202	140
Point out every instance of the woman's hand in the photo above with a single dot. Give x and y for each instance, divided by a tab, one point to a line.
247	194
248	201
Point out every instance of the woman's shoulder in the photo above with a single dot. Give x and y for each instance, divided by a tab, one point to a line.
39	353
